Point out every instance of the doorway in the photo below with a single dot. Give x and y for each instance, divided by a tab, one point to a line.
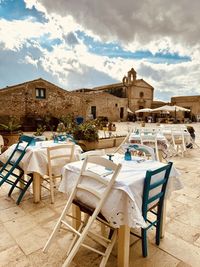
121	113
94	111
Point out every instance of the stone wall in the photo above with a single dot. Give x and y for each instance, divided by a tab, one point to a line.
106	105
20	101
190	102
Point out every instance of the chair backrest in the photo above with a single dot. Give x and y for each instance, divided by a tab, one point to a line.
146	150
58	156
92	179
18	152
120	147
150	140
101	152
178	137
155	184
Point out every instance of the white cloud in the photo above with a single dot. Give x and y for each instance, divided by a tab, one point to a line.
142	21
156	26
14	34
30	60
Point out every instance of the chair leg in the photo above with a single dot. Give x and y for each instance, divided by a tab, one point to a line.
144	242
78	244
24	191
109	249
82	225
57	227
15	183
158	227
51	189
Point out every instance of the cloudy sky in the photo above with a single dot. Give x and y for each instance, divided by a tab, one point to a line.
87	43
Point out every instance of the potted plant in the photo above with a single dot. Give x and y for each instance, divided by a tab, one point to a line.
10	131
39	133
86	134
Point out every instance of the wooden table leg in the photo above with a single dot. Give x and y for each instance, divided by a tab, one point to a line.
160	155
36	187
76	213
123	246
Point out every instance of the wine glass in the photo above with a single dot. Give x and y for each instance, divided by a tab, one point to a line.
110	155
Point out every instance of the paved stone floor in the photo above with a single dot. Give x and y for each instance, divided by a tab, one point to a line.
24	229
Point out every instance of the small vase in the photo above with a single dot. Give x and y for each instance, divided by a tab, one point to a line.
127	155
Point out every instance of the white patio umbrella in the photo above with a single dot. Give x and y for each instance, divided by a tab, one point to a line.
171	109
144	110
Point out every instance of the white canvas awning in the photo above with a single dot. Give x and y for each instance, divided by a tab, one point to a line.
170	108
144	110
129	111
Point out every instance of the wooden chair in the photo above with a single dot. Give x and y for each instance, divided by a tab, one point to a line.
57	157
178	141
153	199
83	155
12	174
92	211
150	140
120	148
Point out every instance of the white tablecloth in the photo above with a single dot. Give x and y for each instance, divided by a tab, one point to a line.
35	158
185	133
123	206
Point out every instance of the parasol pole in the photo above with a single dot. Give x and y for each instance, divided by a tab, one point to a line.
175	114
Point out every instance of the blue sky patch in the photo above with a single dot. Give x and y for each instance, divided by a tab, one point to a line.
16	10
48	43
114	50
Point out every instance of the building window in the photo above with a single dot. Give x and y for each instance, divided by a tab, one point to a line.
141	94
116	105
40	93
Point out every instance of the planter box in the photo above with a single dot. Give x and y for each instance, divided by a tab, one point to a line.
101	144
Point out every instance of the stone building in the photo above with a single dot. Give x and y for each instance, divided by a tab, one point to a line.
189	102
102	104
129	95
35	100
32	101
137	92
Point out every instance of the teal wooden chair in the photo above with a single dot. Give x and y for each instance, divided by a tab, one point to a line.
11	173
153	199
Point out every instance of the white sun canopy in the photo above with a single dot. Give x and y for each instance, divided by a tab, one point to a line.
144	110
129	111
170	108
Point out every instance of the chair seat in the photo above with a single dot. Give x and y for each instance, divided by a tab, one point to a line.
87	209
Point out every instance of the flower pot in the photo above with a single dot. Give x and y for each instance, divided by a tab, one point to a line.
86	146
101	143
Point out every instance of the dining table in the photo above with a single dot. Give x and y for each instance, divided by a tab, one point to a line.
35	161
123	207
161	140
